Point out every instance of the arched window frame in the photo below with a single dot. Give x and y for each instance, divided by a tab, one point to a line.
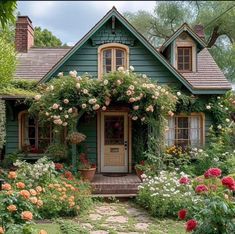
21	121
111	46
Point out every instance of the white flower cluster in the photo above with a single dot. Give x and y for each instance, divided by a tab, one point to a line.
43	167
166	186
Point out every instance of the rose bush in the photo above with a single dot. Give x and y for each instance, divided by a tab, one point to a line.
163	195
216	211
61	99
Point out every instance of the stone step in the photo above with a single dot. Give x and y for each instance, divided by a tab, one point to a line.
115	195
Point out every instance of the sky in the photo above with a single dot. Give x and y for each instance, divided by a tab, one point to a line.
71	20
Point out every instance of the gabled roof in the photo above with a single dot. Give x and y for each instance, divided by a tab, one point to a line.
208	75
37	62
184	27
140	37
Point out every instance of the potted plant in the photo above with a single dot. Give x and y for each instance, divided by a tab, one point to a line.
140	168
86	168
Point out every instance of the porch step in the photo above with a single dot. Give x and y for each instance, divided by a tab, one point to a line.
126	186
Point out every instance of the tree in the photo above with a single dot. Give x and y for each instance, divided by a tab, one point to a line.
218	18
45	38
7	61
7	9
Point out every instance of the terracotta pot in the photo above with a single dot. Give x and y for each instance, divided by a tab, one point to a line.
88	174
139	173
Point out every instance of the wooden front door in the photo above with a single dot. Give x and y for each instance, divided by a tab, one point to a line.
114	142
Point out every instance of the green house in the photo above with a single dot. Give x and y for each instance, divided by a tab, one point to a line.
183	61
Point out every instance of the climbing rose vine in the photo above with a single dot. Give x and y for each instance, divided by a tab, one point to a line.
60	100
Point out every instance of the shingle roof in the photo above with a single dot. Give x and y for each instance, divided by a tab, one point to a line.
37	62
208	75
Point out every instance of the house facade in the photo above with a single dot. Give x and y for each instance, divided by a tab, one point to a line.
183	61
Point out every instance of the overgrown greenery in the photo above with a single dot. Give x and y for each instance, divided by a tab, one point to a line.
2	123
7	9
217	17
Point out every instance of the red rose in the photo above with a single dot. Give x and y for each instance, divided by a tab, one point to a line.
59	166
191	225
206	175
182	214
213	172
184	180
229	182
201	188
68	174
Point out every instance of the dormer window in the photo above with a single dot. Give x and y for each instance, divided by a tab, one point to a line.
111	57
184	59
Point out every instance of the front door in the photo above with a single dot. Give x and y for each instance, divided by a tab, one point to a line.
114	144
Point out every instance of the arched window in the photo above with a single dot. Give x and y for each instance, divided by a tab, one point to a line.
33	138
111	56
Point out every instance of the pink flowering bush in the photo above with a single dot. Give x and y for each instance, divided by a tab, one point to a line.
214	212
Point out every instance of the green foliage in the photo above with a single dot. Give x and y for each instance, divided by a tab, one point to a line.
45	38
11	158
7	9
70	227
57	151
162	194
2	123
7	61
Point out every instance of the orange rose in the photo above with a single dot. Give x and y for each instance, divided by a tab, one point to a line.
40	203
1	230
34	200
39	189
26	215
25	194
12	175
71	204
42	232
6	186
10	192
12	208
20	185
33	192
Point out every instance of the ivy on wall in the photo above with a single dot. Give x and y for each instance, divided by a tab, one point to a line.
2	123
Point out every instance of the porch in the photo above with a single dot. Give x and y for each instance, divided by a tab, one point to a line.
111	185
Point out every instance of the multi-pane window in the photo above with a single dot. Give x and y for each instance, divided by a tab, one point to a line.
185	131
184	58
113	58
34	138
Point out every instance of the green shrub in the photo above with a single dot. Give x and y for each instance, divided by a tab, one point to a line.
70	227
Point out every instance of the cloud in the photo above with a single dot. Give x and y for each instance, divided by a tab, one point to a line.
70	20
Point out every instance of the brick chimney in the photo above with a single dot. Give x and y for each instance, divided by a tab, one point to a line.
199	30
24	34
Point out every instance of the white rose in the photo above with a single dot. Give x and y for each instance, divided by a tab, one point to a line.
78	85
134	117
178	93
219	126
136	107
106	82
47	114
163	90
55	106
85	91
132	99
96	107
128	92
132	68
118	82
37	97
120	69
144	76
66	101
83	106
227	120
143	119
51	87
132	87
66	116
61	108
73	73
65	124
208	107
60	74
70	110
104	108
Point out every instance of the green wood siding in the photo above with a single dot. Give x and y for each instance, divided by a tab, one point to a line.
88	127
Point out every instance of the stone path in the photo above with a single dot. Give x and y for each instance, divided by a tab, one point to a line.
124	218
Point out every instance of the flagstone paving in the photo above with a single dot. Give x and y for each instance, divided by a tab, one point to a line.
125	218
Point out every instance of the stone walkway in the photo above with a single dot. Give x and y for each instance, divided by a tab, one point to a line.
125	217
